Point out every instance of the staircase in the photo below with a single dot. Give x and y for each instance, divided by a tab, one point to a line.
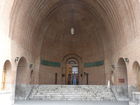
71	92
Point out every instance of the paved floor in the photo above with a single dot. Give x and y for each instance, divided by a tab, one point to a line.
5	99
70	103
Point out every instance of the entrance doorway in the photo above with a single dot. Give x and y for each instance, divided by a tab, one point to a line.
72	72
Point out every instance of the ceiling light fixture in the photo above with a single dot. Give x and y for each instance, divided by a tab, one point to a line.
72	31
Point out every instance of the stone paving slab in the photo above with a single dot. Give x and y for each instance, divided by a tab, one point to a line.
70	103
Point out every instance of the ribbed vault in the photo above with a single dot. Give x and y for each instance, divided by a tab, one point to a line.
32	18
100	23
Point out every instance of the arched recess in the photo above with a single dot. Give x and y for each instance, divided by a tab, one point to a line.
112	77
120	78
32	77
22	73
136	69
64	67
122	73
7	76
23	79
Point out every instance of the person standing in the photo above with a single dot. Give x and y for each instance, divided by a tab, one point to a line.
74	79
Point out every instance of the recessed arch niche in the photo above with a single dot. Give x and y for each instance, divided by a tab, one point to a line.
7	76
112	77
121	73
32	77
136	69
21	77
121	78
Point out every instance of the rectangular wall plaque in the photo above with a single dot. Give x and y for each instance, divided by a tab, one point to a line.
50	63
94	64
122	80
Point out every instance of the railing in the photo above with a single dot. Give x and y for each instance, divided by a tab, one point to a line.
136	97
120	92
27	97
114	93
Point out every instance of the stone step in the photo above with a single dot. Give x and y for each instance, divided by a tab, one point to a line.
103	94
49	99
70	98
55	92
71	89
74	91
68	95
72	95
89	97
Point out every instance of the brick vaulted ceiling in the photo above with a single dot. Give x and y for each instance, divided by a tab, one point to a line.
107	21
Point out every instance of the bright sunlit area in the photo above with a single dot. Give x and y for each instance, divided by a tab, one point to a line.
6	98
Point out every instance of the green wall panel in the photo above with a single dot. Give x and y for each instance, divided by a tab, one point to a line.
94	64
50	63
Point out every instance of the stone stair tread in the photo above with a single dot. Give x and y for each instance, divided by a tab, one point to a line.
55	92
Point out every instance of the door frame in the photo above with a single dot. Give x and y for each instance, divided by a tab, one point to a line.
80	67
